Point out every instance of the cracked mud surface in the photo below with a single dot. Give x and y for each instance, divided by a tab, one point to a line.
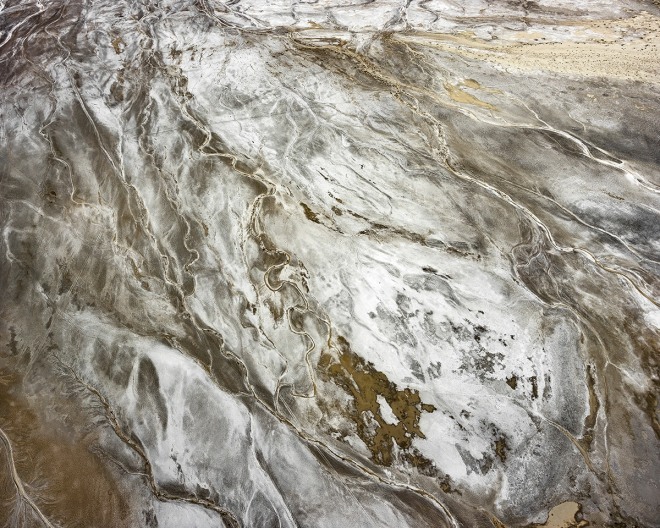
372	264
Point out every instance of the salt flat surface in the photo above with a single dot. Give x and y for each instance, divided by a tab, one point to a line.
328	264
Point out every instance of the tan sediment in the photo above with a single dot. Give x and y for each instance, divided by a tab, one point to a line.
461	96
563	515
623	49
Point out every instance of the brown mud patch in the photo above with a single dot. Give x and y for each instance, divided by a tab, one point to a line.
369	389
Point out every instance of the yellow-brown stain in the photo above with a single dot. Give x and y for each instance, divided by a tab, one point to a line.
563	515
496	522
471	83
460	96
476	85
364	384
116	44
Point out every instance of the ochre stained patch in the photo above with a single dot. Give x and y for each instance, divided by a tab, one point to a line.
365	384
564	515
461	96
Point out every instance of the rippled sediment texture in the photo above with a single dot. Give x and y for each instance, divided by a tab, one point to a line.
389	264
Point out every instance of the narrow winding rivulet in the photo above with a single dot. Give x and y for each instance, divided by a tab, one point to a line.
332	263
